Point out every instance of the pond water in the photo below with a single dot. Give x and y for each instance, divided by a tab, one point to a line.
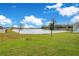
36	31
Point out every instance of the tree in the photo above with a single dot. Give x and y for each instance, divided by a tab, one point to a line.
52	25
20	27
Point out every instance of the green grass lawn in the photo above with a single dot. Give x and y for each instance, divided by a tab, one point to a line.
60	44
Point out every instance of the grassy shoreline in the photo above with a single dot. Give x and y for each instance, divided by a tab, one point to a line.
60	44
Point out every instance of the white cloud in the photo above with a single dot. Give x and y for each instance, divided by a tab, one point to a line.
4	20
32	20
15	26
75	19
25	26
28	26
66	11
58	5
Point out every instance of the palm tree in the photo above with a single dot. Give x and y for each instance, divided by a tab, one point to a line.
52	25
20	27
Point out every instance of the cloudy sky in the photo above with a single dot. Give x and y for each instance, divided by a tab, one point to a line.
37	14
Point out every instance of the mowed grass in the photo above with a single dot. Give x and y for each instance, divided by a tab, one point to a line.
60	44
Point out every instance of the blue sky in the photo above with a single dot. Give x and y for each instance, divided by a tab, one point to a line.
37	14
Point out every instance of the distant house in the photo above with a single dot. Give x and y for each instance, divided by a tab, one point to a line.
76	27
60	27
2	30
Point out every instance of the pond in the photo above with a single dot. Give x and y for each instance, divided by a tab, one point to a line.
37	31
